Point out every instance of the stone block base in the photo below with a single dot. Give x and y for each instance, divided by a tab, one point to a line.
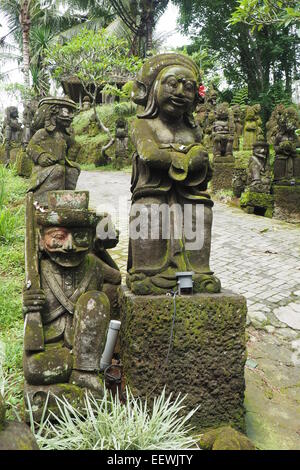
37	395
222	176
287	203
207	355
257	203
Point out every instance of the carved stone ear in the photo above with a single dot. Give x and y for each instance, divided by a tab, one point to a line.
139	93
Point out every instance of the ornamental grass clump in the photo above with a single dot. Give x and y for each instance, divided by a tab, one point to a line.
108	424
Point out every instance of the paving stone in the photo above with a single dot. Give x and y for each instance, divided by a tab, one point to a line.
289	316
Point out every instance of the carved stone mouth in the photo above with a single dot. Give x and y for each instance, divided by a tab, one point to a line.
178	101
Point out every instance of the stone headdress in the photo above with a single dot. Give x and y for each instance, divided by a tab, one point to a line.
45	115
143	87
67	209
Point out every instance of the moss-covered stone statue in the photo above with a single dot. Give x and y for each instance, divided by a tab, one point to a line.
272	124
171	171
287	160
223	134
86	103
74	311
12	131
238	126
257	197
121	143
30	108
252	126
52	148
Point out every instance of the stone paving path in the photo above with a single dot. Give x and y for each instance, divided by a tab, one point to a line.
259	258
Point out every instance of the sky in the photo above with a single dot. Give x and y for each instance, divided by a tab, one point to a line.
166	25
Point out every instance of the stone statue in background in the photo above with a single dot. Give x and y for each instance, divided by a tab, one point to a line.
171	171
86	103
259	170
208	131
121	142
272	124
222	133
12	132
51	148
30	108
74	311
287	161
252	126
238	126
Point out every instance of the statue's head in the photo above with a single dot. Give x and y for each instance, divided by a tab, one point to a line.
168	84
212	96
12	112
289	120
236	109
222	111
261	149
67	227
55	113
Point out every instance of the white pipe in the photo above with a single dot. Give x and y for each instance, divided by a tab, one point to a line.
111	340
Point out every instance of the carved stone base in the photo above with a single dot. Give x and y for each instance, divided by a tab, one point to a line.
287	203
222	176
37	395
207	355
257	203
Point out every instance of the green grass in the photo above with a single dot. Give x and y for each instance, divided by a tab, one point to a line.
12	229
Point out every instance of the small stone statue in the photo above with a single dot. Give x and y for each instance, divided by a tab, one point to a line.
272	124
208	131
252	127
259	170
74	310
29	111
171	171
287	163
238	126
12	131
121	142
222	134
51	148
86	103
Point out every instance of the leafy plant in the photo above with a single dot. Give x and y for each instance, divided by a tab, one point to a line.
109	424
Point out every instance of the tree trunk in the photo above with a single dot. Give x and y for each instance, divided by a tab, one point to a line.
25	25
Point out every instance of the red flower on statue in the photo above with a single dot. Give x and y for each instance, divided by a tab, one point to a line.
202	91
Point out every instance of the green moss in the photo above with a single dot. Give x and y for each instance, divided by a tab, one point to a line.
253	199
207	355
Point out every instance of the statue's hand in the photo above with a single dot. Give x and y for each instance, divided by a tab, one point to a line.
179	166
47	159
33	300
198	158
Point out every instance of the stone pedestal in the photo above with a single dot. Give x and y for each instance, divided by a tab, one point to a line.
287	203
41	395
207	355
222	175
257	203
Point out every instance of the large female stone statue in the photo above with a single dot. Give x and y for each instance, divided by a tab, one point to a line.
171	171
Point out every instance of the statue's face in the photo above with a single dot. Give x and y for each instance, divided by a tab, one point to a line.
14	113
66	246
260	151
64	117
176	91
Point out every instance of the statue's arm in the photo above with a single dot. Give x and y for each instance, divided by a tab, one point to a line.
147	146
37	152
